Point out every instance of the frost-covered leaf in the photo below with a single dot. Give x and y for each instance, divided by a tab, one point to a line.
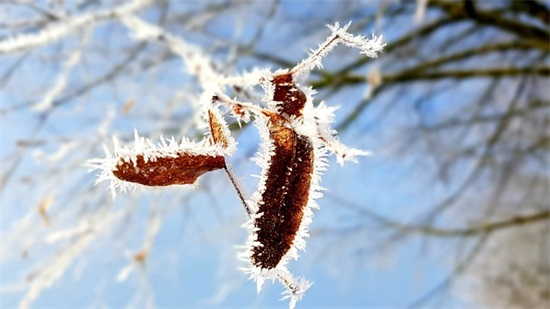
183	168
169	163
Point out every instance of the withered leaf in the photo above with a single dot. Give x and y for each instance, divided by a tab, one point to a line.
166	171
285	197
216	130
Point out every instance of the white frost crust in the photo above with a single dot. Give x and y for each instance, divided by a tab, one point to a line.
150	152
269	89
266	151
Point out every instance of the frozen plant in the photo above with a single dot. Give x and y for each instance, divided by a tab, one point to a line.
296	138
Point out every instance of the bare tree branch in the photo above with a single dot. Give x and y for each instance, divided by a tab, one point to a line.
68	26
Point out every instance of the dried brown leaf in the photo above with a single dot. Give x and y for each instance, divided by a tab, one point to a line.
166	171
284	198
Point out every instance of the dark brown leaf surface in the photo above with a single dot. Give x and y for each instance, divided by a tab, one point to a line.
166	171
286	195
291	99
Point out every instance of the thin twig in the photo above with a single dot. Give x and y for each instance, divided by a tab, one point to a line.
239	189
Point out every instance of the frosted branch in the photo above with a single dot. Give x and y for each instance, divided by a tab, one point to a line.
195	59
369	47
67	27
295	287
60	83
47	276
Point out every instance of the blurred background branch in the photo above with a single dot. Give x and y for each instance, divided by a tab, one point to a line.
456	111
